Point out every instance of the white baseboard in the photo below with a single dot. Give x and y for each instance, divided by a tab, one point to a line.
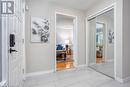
119	80
38	73
46	72
3	84
110	60
81	66
92	64
126	79
123	80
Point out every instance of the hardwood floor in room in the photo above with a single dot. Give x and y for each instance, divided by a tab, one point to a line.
63	65
98	60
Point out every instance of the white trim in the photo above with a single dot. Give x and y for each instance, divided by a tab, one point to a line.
52	71
75	36
64	28
28	75
4	49
38	73
87	43
92	64
126	80
101	11
24	41
55	43
119	79
122	80
82	66
115	29
3	83
110	60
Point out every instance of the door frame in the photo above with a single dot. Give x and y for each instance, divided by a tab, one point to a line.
75	37
24	40
108	8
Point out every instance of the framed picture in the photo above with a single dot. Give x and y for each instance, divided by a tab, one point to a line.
40	31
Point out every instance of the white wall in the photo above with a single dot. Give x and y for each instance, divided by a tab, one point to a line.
41	57
126	39
64	34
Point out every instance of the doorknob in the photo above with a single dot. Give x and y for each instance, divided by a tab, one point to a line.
11	50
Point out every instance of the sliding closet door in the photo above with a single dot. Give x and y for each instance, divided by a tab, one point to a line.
101	43
92	42
106	20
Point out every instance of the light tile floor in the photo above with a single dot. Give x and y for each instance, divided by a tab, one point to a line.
84	77
105	67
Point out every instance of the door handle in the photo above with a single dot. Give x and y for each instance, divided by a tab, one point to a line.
11	50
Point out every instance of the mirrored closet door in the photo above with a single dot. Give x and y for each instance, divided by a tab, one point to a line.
101	46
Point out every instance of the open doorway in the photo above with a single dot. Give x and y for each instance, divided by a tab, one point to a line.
65	42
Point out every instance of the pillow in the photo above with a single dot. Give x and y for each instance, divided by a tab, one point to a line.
59	47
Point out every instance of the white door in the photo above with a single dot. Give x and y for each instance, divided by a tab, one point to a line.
14	24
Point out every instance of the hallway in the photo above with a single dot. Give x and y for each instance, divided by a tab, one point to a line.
31	55
84	77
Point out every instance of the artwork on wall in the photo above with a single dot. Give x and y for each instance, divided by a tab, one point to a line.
111	37
39	30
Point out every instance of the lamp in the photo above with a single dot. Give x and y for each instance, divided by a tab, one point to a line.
67	42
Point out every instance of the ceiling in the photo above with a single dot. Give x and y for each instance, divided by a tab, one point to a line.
78	4
64	17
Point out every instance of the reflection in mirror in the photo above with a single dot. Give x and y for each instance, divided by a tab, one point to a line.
99	41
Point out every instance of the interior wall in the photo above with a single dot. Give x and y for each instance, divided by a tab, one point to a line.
64	34
39	56
126	40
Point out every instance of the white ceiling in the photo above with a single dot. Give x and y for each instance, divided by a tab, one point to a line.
64	17
78	4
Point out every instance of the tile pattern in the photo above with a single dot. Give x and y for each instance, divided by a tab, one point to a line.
105	67
84	77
